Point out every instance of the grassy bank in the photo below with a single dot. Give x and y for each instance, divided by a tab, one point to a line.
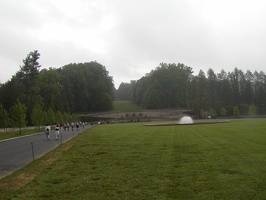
125	106
14	134
133	161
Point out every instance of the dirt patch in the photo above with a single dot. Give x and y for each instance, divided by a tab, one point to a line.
18	182
20	179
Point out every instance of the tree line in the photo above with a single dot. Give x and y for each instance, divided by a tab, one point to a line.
88	87
217	94
16	116
71	89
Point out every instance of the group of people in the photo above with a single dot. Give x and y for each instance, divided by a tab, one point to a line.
66	127
73	125
48	130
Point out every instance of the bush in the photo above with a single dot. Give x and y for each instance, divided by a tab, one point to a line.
252	110
223	112
236	111
213	113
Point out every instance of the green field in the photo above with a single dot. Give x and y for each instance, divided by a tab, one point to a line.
8	135
133	161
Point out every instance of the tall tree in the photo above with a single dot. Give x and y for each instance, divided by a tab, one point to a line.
51	90
139	88
202	95
87	87
10	92
18	115
4	117
212	89
59	117
37	115
28	75
49	118
252	110
235	84
224	89
260	91
123	91
249	88
164	87
236	111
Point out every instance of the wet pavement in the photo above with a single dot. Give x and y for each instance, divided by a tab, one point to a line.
15	153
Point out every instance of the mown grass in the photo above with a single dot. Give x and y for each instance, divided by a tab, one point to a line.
14	134
126	106
133	161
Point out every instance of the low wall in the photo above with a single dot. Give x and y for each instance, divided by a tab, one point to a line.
141	115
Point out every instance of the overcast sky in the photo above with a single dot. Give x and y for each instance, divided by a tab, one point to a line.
132	37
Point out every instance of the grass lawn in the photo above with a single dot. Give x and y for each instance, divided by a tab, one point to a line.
8	135
133	161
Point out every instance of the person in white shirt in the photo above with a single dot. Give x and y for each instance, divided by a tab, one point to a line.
47	131
57	128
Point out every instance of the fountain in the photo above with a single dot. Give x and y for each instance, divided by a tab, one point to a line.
186	120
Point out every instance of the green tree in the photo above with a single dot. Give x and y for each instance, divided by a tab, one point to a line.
18	115
153	99
74	118
122	92
201	101
86	87
4	117
105	102
212	88
37	115
50	117
51	90
138	91
28	76
213	113
260	91
59	117
252	110
223	112
234	81
236	111
248	93
224	89
65	117
10	92
169	84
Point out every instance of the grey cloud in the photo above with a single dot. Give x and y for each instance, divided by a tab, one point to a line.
132	37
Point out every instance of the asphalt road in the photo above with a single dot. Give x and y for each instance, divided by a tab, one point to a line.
17	152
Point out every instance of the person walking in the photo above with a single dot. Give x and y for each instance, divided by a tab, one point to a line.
72	126
47	131
68	126
57	128
77	125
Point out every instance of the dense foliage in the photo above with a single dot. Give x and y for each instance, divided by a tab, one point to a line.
73	88
87	87
175	86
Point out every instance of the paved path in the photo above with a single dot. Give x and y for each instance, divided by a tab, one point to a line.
17	152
